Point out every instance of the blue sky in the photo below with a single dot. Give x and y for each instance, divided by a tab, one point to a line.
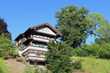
21	14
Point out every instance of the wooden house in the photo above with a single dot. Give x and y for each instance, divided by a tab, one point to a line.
33	42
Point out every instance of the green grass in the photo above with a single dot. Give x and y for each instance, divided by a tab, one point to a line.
93	65
3	66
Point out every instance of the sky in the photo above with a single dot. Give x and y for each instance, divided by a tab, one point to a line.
21	14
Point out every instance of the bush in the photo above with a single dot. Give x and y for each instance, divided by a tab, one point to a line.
35	69
3	67
104	51
86	50
96	50
30	69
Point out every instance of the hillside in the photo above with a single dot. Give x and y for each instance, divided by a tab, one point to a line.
89	65
14	66
93	65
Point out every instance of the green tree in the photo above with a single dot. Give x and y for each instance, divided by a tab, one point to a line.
3	29
6	47
102	32
75	24
58	58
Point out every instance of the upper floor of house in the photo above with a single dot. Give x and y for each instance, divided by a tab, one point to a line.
41	33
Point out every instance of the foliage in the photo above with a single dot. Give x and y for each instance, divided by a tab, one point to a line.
75	24
85	51
58	58
30	69
6	47
35	69
104	51
96	50
3	29
102	32
3	67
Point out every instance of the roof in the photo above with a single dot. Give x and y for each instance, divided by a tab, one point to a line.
46	25
37	27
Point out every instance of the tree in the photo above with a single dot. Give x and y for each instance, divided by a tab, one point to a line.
3	29
102	33
75	24
6	47
58	58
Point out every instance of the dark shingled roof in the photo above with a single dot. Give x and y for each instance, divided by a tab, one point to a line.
37	27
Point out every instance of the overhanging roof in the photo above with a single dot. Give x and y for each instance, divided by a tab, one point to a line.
37	27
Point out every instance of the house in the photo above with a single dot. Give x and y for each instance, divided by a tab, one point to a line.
33	42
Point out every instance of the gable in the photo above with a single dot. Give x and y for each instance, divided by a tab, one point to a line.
46	30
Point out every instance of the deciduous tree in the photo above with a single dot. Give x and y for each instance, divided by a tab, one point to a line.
75	24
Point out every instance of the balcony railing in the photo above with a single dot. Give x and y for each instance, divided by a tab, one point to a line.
41	38
32	53
32	48
35	58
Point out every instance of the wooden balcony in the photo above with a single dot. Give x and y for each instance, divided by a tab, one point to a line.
33	48
33	53
35	58
41	38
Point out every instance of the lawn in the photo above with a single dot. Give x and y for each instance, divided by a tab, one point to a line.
93	65
3	66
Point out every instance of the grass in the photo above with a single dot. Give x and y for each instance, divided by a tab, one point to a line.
89	65
93	65
3	66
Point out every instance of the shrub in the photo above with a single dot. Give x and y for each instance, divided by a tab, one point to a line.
104	51
96	50
35	69
84	51
30	69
